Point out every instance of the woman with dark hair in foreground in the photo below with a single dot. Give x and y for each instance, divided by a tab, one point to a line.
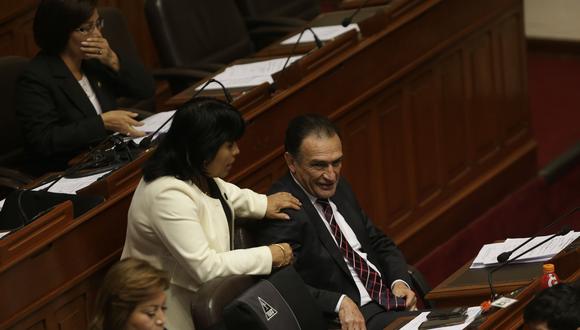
179	215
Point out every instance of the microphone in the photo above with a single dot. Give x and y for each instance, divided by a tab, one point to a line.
347	20
504	256
146	142
317	41
494	295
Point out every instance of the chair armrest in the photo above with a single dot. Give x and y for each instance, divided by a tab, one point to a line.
13	179
421	286
210	300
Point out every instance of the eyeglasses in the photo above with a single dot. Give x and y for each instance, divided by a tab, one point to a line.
88	28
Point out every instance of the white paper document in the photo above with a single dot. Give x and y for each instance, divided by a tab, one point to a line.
472	313
70	185
249	74
487	256
152	124
324	33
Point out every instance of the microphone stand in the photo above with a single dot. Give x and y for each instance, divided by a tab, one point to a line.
504	256
146	142
494	295
318	42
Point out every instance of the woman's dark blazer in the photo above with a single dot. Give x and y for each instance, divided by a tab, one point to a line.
57	118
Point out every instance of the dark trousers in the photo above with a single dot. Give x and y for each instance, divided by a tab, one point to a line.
377	318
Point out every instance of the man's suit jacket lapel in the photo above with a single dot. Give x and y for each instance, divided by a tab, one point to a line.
70	87
314	218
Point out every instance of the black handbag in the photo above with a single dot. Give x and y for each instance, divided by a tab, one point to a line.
281	302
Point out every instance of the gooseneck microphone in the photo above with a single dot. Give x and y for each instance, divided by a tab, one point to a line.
146	142
317	41
347	20
504	256
494	295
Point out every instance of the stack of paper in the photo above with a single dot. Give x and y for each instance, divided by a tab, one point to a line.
324	33
71	186
249	74
152	124
487	256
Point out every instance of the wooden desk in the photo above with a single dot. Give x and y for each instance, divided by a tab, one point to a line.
51	269
432	104
468	287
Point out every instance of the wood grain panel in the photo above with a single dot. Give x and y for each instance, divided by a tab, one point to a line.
423	111
515	119
359	162
453	123
484	103
73	315
396	197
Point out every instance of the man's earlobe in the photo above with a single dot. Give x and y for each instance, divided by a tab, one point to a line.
289	162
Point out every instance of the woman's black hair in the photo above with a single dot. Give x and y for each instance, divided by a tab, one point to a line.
200	127
55	20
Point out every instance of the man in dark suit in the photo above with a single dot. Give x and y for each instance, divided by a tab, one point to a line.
358	271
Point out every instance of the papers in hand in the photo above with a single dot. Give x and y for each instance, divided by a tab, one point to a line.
487	256
152	124
249	74
324	33
472	313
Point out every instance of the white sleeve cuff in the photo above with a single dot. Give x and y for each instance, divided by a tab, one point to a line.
337	308
397	281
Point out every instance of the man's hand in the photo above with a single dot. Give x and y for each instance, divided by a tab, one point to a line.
279	201
350	316
400	289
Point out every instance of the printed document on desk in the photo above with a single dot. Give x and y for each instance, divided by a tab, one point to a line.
324	33
250	74
487	256
71	186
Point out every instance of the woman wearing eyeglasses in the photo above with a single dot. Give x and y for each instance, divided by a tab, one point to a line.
65	98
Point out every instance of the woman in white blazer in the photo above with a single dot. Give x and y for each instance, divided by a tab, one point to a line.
178	218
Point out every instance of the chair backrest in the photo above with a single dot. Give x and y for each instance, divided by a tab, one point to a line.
192	32
11	138
116	31
301	9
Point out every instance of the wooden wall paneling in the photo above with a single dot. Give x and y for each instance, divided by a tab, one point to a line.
484	103
358	131
453	120
515	124
423	111
397	193
16	36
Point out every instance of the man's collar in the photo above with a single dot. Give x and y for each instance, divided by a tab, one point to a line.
310	196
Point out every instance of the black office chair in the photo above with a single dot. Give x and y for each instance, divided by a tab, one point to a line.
196	34
290	12
117	33
201	35
13	158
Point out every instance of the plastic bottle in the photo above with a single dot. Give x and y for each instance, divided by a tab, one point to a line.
549	279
